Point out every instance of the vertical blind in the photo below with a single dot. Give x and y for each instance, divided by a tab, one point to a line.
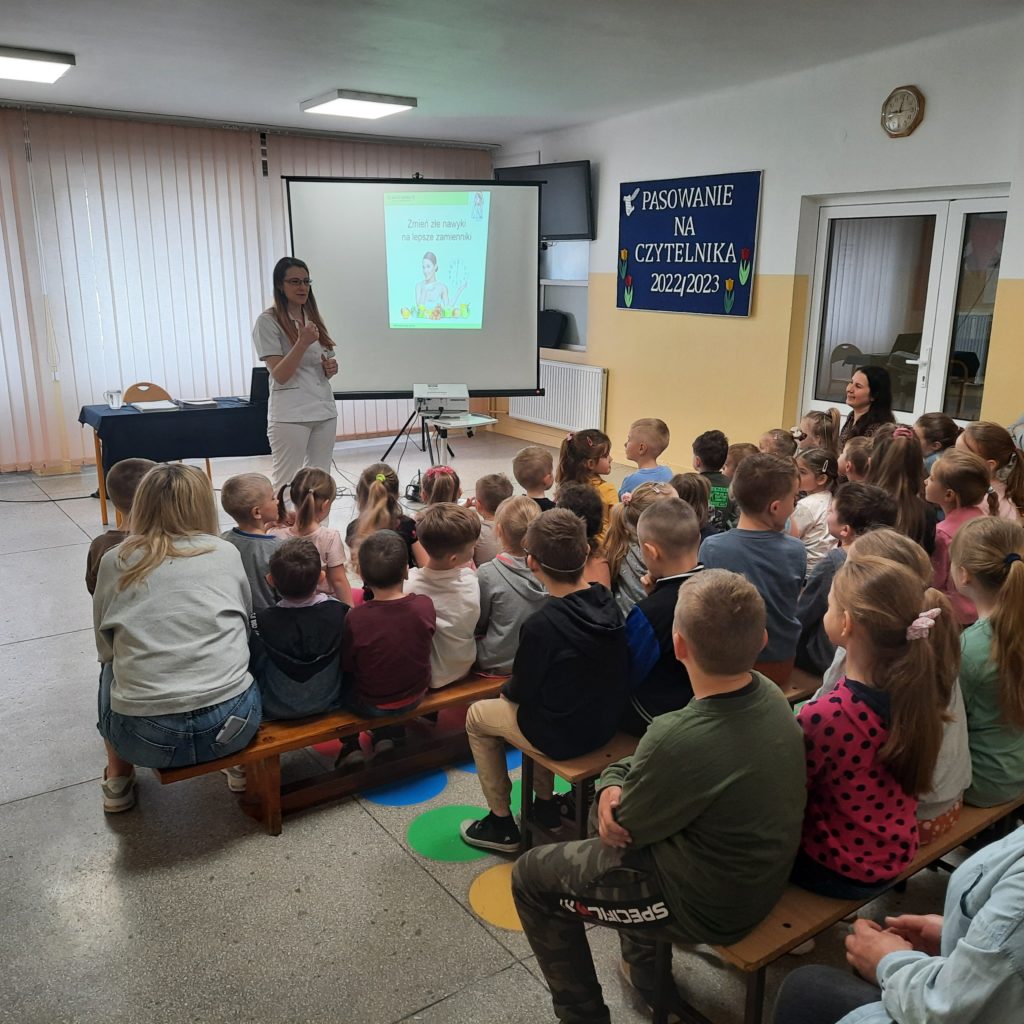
133	251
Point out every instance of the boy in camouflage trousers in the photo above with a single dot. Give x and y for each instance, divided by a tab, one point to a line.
701	861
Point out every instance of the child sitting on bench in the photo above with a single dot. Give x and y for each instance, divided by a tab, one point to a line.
696	831
568	684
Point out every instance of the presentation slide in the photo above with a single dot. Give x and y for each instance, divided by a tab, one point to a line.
421	282
437	258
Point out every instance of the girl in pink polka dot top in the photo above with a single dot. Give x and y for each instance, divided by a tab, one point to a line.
872	742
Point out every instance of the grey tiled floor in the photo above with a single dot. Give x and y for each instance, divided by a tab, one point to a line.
182	910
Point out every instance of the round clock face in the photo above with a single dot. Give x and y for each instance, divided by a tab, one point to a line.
902	111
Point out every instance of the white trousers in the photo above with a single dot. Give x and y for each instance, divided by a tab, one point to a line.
295	445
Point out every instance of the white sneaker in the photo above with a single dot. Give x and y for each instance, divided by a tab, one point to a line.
118	792
384	746
236	777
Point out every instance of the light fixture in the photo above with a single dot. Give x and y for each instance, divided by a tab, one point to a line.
349	103
33	65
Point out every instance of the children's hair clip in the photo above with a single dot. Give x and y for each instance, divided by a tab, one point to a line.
921	626
627	497
569	436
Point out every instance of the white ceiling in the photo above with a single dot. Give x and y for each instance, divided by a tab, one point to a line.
482	70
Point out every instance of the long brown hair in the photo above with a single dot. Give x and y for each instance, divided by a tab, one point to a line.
883	598
994	442
172	502
308	491
986	548
897	467
625	515
279	310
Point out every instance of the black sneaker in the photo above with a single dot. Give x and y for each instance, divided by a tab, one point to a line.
492	833
547	813
566	803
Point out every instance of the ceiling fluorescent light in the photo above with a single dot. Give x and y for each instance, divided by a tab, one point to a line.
33	65
348	103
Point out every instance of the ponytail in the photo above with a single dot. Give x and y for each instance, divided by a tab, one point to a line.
623	520
990	551
906	635
308	490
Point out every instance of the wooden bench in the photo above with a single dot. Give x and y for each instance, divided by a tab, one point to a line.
801	915
266	799
578	772
800	686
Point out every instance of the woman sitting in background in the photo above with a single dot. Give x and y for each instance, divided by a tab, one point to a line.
171	613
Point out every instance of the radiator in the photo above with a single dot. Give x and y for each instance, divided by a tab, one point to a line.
372	417
573	399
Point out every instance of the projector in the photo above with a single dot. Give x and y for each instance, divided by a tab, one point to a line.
441	401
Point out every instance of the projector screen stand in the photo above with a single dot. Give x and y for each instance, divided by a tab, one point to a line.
402	432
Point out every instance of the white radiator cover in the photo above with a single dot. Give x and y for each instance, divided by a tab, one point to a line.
574	397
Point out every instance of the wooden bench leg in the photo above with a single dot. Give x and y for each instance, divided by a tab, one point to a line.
272	795
663	980
526	816
754	1006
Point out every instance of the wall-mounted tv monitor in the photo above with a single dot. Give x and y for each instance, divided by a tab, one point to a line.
566	207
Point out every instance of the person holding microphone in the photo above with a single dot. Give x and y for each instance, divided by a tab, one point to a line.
290	337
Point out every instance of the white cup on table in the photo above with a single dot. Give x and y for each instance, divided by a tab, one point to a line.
113	399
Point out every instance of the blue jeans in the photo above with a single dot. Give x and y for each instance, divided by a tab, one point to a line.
182	739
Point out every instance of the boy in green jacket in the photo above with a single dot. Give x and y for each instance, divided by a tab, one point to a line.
697	831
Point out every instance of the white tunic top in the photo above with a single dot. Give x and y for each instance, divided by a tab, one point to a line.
306	397
811	518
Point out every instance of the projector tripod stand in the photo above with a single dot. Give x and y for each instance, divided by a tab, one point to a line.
426	442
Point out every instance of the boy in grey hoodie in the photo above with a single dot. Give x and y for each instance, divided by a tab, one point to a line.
509	592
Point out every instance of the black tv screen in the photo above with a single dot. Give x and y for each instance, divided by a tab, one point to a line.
565	203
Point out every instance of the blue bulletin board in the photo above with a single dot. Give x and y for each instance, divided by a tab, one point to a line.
687	245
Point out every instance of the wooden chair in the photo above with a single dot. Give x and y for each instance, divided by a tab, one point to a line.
839	355
146	391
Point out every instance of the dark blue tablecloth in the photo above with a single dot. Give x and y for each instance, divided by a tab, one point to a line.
234	428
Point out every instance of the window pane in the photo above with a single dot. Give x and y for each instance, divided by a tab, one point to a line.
972	321
876	285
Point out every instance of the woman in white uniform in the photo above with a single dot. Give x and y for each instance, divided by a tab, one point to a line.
290	337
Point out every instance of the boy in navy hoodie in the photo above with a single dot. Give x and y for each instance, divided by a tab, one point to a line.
568	685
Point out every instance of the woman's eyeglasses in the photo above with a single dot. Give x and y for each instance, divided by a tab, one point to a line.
298	280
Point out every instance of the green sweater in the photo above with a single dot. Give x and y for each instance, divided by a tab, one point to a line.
997	749
717	790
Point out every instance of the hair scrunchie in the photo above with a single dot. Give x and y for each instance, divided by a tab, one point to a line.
569	436
1010	559
921	626
903	431
381	478
627	497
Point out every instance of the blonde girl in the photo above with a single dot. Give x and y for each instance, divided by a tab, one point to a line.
312	494
873	742
818	470
987	567
855	459
172	610
1005	462
378	508
585	458
622	548
440	484
958	482
935	432
819	429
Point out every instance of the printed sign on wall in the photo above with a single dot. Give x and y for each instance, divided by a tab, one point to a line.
686	245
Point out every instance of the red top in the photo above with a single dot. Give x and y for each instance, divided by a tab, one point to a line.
858	822
387	649
945	531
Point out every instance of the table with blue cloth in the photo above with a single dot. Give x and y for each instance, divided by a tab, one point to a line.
234	428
